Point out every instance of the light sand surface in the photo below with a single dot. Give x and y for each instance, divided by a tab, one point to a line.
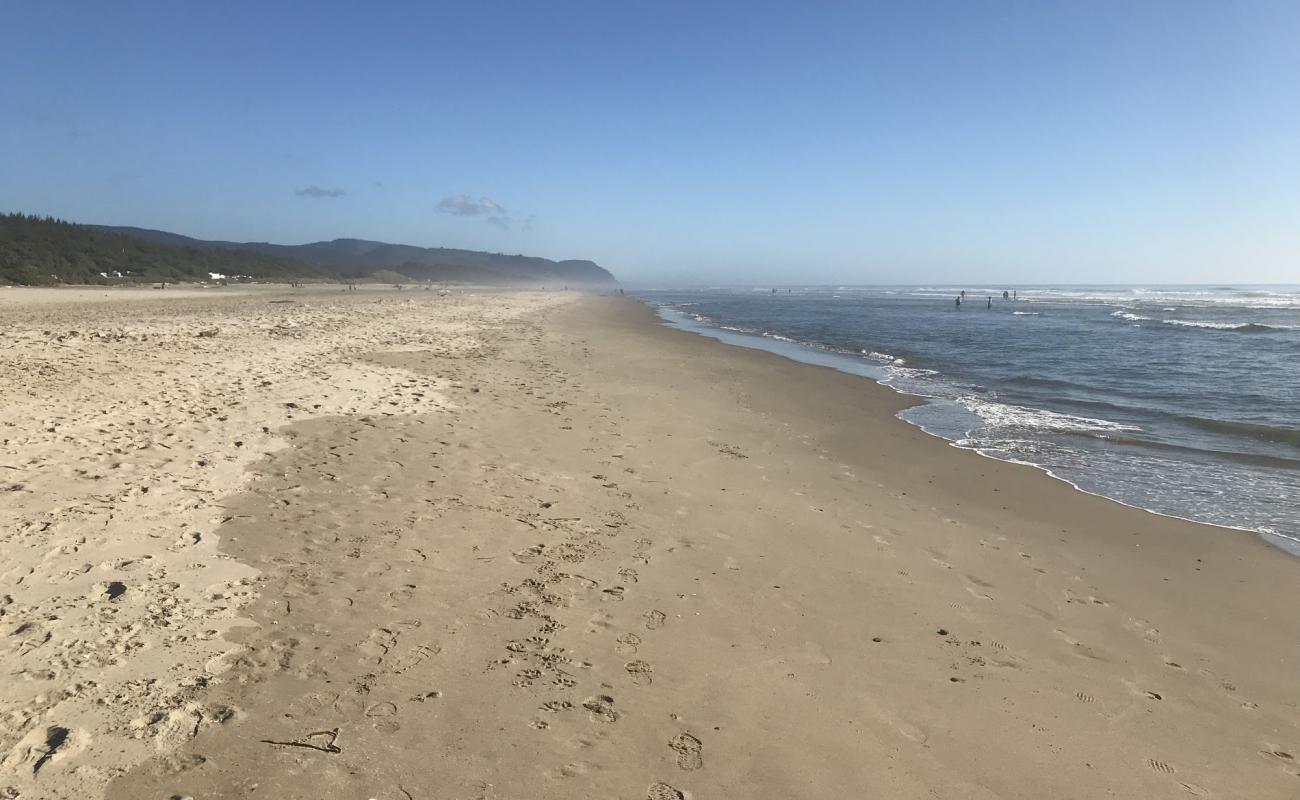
128	416
597	558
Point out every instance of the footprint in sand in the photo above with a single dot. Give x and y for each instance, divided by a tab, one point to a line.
654	620
1160	766
689	751
1079	647
602	708
528	555
662	791
1276	753
642	673
41	747
381	709
627	644
377	644
1143	628
402	593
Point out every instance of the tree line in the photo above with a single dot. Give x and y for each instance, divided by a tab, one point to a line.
42	251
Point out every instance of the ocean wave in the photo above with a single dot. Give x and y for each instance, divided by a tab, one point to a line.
1251	430
883	358
1039	380
1005	415
914	381
1024	313
1261	300
1130	316
1245	327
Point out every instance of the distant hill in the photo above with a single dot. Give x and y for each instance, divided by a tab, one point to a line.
358	258
44	250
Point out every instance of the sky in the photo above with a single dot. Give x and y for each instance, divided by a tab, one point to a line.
675	143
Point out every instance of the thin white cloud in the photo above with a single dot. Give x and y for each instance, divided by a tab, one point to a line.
461	205
464	206
318	193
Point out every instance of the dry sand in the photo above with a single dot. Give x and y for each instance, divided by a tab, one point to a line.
128	419
522	546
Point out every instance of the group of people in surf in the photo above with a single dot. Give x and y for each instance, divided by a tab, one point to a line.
961	298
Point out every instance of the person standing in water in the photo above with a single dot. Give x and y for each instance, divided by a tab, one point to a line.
958	303
990	301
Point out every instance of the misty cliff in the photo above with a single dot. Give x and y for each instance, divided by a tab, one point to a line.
357	258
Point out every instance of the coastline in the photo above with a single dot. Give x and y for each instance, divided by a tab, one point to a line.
844	361
618	559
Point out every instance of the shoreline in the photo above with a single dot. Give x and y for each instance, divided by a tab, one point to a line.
756	341
610	558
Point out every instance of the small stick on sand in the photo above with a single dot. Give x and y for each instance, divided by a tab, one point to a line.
328	747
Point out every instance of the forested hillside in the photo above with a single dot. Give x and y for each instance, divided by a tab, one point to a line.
44	250
352	259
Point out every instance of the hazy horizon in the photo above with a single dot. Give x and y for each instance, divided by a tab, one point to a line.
683	145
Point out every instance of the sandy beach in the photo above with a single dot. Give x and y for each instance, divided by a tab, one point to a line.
308	543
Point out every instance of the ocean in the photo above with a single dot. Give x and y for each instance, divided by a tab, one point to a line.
1180	400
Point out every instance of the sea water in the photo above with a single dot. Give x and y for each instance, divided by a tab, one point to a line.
1181	400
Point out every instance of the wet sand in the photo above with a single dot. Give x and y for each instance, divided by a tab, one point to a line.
597	557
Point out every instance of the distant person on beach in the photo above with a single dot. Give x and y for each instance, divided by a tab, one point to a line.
990	301
963	294
958	302
1005	296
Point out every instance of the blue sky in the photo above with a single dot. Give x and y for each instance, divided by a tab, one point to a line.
749	142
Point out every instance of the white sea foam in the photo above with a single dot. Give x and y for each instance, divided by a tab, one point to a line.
1004	415
1259	299
1128	315
1228	326
1218	326
1024	313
